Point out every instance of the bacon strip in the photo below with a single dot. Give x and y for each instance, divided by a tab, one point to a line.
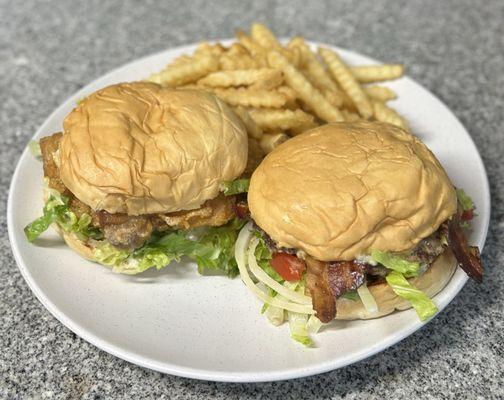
328	281
317	284
468	257
345	275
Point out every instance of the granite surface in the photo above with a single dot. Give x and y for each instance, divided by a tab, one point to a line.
49	49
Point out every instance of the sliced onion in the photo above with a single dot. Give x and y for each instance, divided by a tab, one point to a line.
240	249
367	299
263	277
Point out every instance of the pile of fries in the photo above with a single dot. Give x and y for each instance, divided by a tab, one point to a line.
281	91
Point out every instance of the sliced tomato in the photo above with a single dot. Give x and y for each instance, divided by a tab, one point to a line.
467	215
288	266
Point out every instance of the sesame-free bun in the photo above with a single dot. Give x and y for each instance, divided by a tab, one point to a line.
345	189
139	148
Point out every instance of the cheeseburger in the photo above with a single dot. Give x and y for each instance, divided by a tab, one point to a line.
138	175
352	221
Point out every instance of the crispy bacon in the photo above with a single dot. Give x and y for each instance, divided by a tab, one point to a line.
345	275
328	281
317	284
468	257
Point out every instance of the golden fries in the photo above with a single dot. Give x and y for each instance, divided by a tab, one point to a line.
186	72
271	140
298	130
250	97
229	62
290	96
282	91
275	120
266	78
264	37
305	90
253	129
380	93
253	47
376	73
205	48
341	73
386	114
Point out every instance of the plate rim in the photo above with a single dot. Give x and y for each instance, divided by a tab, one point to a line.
200	374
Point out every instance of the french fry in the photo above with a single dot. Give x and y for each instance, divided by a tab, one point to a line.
264	37
380	93
305	90
298	130
253	129
376	73
229	62
270	141
294	56
335	98
290	96
346	80
184	73
269	83
237	49
313	68
275	120
384	113
251	98
350	116
252	46
263	77
206	49
183	59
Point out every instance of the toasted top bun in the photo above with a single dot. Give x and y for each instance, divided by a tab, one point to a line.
345	189
140	148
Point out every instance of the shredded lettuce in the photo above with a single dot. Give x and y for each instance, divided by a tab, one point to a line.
424	306
263	256
396	263
109	255
56	210
211	248
234	187
464	200
298	328
34	148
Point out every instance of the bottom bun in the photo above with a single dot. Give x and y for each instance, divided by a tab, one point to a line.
77	245
431	282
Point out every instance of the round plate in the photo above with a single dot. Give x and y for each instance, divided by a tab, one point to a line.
178	322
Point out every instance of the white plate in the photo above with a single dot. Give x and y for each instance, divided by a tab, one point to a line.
180	323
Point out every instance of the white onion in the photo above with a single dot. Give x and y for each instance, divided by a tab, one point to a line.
367	299
240	249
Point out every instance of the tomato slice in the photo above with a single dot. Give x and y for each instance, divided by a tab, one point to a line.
288	266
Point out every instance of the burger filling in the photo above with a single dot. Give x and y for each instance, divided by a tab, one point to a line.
119	239
327	281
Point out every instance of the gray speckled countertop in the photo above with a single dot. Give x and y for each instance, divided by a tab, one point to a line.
49	49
